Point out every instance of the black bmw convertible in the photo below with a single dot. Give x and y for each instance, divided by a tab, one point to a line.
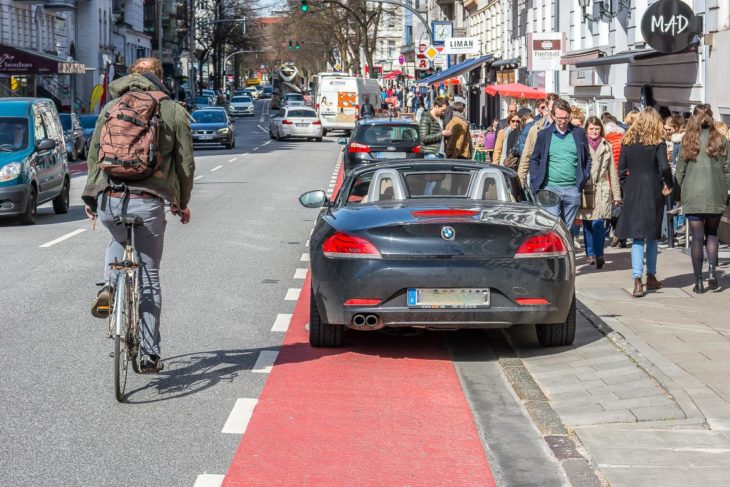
438	244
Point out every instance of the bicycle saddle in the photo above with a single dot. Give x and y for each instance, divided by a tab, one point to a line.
129	220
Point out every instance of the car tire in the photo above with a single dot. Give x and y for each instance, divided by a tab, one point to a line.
560	334
271	134
31	209
61	202
318	139
322	334
324	133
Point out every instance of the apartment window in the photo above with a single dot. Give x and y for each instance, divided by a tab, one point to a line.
391	49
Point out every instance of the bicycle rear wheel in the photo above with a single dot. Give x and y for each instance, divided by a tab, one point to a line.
121	333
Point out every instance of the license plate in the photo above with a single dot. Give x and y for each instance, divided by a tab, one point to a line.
205	137
302	124
390	155
448	298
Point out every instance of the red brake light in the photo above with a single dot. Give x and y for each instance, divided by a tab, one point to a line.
416	149
546	245
531	301
287	122
343	245
316	122
362	302
443	213
357	147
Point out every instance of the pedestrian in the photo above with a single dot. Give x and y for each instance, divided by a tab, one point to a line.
511	110
722	128
367	110
577	116
410	100
645	178
613	134
561	162
541	110
506	150
431	130
703	172
601	193
449	111
630	118
108	197
490	138
459	144
545	121
528	120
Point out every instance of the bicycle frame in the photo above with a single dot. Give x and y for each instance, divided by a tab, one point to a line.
127	278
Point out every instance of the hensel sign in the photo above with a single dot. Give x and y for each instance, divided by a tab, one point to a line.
670	26
544	51
461	45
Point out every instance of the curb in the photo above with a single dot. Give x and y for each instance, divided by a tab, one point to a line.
646	358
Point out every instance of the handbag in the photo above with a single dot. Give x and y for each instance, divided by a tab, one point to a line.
723	231
588	198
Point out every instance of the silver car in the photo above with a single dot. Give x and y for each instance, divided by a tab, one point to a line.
292	100
295	122
241	105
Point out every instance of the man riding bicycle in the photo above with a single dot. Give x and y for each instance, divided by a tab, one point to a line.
172	181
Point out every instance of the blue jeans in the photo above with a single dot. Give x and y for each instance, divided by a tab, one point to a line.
637	257
567	209
148	242
594	232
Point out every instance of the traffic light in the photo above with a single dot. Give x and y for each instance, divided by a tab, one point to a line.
304	5
290	44
297	47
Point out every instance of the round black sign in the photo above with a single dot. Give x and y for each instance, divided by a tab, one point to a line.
669	26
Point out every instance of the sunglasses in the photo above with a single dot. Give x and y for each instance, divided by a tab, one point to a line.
514	121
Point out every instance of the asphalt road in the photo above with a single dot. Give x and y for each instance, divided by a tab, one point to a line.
227	279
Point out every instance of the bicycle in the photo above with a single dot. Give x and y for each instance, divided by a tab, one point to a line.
124	312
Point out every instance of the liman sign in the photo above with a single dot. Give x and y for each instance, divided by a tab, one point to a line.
461	45
670	26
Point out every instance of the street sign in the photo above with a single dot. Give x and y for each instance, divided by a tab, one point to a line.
461	45
401	60
431	52
422	64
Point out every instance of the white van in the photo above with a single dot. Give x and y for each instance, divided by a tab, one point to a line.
339	98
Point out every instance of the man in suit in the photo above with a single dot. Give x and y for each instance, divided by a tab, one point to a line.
561	162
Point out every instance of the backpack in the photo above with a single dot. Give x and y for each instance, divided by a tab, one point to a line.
128	139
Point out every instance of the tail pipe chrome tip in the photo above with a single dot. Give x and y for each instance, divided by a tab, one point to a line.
371	320
358	320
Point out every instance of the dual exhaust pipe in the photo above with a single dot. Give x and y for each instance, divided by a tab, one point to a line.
361	320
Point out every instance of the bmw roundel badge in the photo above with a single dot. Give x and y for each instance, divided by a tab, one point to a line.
448	233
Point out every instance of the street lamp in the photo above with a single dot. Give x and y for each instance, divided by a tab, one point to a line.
605	9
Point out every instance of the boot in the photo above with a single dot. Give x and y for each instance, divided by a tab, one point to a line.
712	280
638	288
599	262
652	283
590	260
699	287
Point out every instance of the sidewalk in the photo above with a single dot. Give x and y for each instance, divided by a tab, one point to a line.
646	385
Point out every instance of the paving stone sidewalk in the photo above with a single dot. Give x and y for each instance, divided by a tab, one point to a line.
645	386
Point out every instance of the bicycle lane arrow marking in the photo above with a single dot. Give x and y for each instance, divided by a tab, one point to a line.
61	239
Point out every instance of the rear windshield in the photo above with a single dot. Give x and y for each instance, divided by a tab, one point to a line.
268	89
88	121
202	100
302	113
13	134
295	97
209	116
387	134
241	99
65	121
437	184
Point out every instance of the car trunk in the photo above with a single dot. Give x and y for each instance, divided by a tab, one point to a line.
301	122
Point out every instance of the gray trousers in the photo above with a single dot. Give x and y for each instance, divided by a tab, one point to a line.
148	242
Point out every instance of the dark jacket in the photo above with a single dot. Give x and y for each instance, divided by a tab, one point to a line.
705	182
541	157
429	131
173	179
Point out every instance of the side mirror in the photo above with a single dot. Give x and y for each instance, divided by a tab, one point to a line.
547	198
342	141
314	199
46	144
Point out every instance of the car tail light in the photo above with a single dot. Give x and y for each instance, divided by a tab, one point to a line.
362	302
286	122
531	301
356	147
349	246
316	122
443	213
416	149
546	245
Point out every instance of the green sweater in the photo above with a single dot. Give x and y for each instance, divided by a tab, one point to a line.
563	165
705	182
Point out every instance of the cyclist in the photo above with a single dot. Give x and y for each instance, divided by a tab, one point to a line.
172	181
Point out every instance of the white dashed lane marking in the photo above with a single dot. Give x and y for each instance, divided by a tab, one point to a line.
61	239
282	322
263	129
305	257
292	294
197	177
240	416
233	159
265	362
215	168
267	142
209	480
300	274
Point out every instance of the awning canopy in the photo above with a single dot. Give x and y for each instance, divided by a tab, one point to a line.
574	57
455	70
17	61
507	63
628	57
395	74
516	90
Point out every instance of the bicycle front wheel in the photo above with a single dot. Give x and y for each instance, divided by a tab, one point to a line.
121	330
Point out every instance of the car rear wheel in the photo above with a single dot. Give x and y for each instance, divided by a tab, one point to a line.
560	334
322	334
318	139
61	202
31	209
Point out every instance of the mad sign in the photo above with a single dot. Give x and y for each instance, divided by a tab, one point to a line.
670	26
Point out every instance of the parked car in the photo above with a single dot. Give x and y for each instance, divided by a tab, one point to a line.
446	244
209	93
380	139
88	123
73	133
203	101
213	127
253	92
295	122
33	158
241	105
292	100
268	91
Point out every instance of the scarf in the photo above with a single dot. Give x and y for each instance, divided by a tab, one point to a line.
594	143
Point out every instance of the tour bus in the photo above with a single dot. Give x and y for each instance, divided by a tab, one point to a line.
339	98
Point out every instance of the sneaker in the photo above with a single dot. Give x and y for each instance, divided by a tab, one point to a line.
102	303
150	364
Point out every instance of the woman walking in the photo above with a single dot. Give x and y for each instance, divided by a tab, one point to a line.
600	193
703	173
645	178
506	149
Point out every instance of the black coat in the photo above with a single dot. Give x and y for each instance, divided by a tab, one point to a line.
642	170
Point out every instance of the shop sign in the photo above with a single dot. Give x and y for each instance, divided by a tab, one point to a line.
670	26
14	61
544	50
422	64
461	45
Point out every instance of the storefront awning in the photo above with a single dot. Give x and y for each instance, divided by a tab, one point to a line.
574	57
507	63
455	70
15	61
628	57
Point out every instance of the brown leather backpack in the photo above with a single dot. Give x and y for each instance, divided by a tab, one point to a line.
128	139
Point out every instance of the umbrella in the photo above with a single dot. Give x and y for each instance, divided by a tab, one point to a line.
516	90
395	74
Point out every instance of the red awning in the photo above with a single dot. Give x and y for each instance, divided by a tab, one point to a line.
16	61
516	90
395	74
